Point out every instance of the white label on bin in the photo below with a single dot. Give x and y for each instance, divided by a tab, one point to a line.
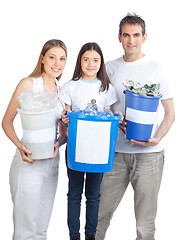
92	142
141	117
39	136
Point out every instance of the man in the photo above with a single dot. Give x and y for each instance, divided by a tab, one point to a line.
136	162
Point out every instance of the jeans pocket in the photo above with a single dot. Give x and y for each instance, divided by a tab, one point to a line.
150	163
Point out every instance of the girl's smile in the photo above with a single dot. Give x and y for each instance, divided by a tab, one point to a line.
90	64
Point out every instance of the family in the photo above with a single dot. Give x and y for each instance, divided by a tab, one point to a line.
33	183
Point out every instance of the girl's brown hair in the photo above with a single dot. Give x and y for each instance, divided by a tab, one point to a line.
101	75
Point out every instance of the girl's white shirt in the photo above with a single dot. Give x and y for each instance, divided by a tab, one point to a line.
79	93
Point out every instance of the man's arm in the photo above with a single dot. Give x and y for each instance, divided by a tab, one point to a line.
169	118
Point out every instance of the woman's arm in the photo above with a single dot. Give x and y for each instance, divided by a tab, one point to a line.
63	130
62	139
10	114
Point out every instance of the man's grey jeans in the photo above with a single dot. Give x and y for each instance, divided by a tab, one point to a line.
144	172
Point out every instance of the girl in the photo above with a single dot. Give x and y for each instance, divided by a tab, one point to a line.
89	81
33	183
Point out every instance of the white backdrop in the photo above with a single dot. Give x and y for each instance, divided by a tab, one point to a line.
27	25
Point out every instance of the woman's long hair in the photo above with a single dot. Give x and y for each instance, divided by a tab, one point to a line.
101	75
39	69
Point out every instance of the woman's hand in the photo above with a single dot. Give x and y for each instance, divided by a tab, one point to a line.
56	149
24	152
62	139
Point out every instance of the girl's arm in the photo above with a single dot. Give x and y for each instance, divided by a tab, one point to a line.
62	139
10	114
118	112
65	118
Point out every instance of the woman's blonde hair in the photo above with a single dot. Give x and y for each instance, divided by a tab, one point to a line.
39	69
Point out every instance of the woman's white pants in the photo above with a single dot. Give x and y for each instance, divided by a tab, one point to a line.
33	188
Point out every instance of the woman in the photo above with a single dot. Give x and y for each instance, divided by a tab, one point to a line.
33	183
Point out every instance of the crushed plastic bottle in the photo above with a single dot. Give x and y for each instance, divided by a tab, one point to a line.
146	90
75	109
35	101
107	111
92	108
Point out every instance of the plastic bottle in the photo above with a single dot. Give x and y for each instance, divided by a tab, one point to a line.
107	111
92	108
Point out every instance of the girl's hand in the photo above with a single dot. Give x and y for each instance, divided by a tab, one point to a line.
65	118
24	152
122	126
122	122
122	117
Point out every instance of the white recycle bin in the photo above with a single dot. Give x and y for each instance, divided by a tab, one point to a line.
39	132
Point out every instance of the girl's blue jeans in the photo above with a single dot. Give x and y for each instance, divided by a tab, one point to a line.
92	193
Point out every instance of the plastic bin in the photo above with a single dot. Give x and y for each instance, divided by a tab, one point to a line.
91	142
39	132
141	115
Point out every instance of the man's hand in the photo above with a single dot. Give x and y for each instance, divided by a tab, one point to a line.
150	142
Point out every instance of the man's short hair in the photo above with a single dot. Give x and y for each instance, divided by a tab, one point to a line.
132	19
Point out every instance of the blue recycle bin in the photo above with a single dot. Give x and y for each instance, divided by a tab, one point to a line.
141	115
92	141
